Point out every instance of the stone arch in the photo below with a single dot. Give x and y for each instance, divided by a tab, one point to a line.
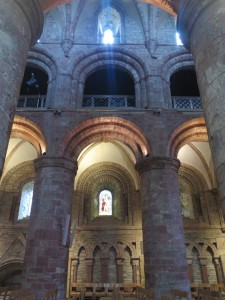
18	176
28	130
193	130
194	178
40	58
10	267
105	128
112	177
167	5
87	179
85	65
175	62
128	62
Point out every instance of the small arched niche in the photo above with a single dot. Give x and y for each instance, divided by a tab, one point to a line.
109	87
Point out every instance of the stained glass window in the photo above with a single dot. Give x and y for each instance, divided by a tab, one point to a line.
26	200
105	203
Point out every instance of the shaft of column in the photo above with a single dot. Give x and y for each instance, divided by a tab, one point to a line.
202	24
21	24
46	255
163	235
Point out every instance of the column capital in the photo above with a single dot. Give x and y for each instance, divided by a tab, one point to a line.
119	261
156	163
33	13
58	162
105	261
189	12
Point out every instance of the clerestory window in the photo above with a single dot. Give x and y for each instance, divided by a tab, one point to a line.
109	26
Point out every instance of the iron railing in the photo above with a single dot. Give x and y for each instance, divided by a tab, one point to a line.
186	102
31	101
94	101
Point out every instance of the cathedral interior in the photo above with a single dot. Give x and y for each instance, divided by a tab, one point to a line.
112	149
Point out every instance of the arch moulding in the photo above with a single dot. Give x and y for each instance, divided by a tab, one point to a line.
104	129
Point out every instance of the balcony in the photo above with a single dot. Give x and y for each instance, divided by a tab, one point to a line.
110	101
180	102
31	101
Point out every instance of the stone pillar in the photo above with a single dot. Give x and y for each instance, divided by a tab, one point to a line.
203	265
135	263
20	26
218	270
119	262
105	269
89	269
202	23
46	256
190	270
74	267
163	235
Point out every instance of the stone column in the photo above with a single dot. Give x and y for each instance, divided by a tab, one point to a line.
218	270
74	267
135	263
119	262
190	269
105	269
46	256
202	26
21	24
203	265
163	235
89	269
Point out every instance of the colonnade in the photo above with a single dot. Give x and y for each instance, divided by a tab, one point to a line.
202	26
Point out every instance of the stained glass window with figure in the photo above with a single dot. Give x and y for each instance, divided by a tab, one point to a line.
105	203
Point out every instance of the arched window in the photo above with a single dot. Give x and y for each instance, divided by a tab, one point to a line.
105	203
26	200
109	26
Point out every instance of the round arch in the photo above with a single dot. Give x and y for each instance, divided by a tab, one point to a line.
127	62
193	130
9	268
176	61
104	129
28	130
167	5
40	58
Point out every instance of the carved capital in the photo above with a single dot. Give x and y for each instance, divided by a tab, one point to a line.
58	162
156	163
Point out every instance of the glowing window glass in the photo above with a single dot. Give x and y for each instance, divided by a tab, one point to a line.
178	39
105	203
108	37
26	200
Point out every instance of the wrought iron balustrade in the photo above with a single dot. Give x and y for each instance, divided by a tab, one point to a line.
186	102
94	101
31	101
